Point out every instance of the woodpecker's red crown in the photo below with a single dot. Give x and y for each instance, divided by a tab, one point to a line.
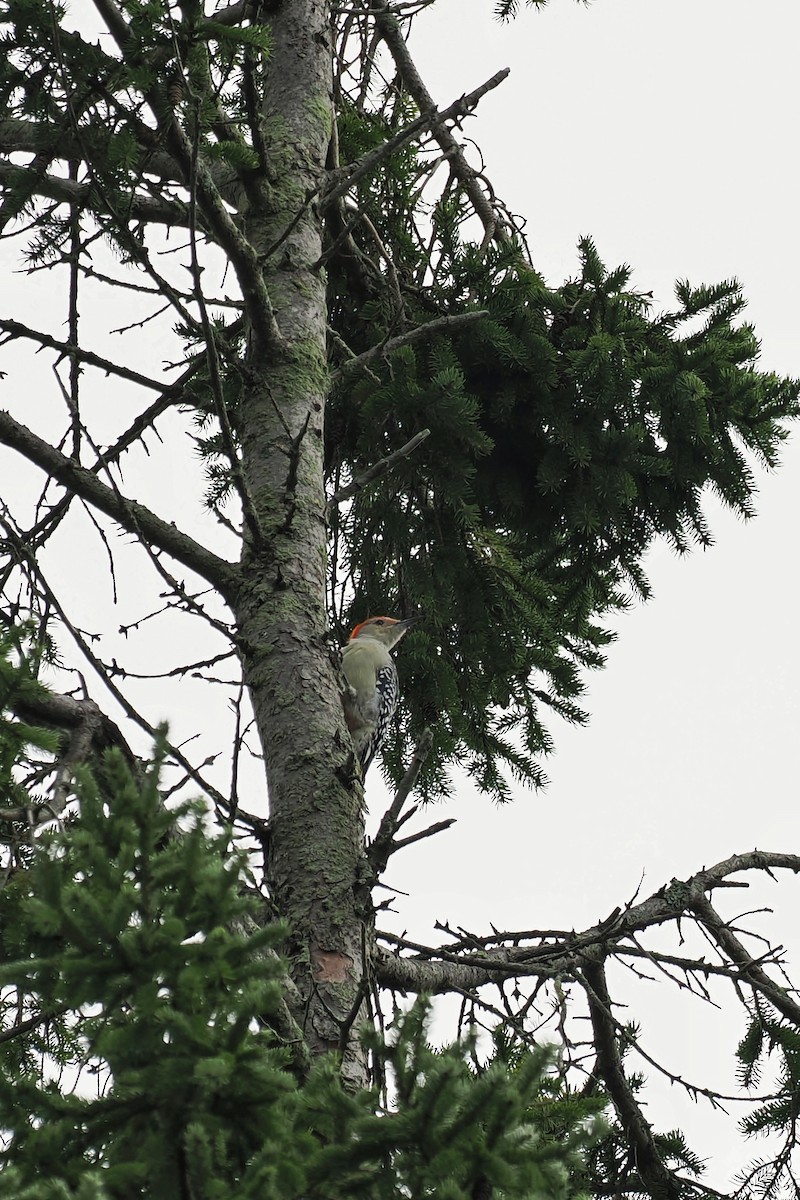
387	630
370	622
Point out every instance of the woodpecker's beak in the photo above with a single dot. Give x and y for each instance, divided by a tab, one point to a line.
407	623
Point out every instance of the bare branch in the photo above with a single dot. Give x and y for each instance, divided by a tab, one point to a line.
23	1027
220	801
343	179
15	329
389	29
130	514
417	975
749	967
376	471
240	10
419	334
429	831
213	362
657	1179
464	966
383	845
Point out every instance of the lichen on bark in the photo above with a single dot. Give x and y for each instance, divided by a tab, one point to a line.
317	835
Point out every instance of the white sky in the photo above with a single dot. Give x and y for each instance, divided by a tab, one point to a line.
690	752
666	130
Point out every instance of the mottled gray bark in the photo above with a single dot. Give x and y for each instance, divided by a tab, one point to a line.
317	829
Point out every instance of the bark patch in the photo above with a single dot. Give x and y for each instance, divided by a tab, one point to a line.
331	966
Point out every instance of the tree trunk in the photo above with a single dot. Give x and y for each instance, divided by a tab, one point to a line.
317	856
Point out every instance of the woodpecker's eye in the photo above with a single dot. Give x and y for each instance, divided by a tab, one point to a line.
380	621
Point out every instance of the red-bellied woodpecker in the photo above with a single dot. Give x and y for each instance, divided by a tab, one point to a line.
372	685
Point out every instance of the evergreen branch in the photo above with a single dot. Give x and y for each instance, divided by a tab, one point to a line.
377	470
30	137
69	191
33	137
419	334
132	516
204	92
344	178
281	1020
90	730
391	33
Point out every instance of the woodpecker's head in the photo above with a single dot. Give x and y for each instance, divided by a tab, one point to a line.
385	630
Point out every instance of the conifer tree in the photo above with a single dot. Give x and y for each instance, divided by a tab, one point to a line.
394	412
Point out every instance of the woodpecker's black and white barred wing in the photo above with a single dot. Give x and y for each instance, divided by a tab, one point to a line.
387	692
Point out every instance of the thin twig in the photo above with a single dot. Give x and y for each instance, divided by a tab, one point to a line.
389	29
377	470
381	849
419	334
430	118
437	827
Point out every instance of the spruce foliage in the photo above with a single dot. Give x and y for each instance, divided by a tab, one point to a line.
154	1042
23	746
570	427
130	948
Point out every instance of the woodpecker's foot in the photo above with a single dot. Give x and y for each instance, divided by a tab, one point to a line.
347	772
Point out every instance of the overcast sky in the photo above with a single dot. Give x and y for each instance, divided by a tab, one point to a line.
666	132
665	129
